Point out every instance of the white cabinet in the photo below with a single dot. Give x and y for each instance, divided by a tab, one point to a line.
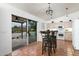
68	36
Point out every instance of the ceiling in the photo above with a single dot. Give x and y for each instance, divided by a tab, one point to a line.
39	9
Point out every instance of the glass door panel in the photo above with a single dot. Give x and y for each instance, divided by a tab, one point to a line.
16	30
25	30
32	31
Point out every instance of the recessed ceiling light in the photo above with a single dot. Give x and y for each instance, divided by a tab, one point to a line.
61	21
70	20
52	21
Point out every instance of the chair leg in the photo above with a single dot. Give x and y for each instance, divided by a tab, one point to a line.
54	49
42	51
42	48
49	50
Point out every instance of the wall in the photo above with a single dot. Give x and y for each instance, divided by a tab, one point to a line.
75	34
5	31
5	26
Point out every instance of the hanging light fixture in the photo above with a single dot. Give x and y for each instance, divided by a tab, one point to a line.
67	16
66	12
49	11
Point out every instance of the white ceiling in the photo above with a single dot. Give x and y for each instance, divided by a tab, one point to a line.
38	9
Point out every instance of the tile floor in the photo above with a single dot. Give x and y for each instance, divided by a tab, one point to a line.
64	48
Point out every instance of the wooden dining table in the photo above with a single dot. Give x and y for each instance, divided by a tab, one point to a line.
51	40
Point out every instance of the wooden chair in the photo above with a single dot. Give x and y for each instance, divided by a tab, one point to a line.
44	41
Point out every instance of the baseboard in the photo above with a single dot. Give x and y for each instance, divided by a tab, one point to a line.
9	54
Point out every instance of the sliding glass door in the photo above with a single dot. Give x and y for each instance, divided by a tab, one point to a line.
19	32
32	31
24	31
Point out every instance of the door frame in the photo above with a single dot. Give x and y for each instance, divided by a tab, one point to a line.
27	40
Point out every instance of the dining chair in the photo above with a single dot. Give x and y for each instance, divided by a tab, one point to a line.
44	41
